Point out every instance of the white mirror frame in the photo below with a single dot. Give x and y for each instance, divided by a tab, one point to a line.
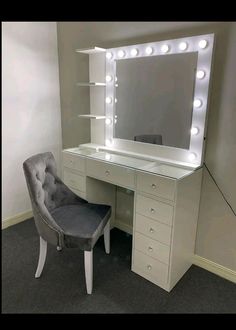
194	155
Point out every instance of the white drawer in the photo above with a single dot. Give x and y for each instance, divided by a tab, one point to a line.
151	267
111	173
152	248
153	229
79	193
154	209
156	185
74	161
74	180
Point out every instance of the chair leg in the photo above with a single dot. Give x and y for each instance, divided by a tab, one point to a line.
42	257
88	265
107	237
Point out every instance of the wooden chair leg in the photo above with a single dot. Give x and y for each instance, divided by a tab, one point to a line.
107	237
42	257
88	265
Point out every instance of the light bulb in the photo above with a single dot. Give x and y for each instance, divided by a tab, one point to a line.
197	103
121	53
183	46
108	100
108	121
202	44
109	55
108	78
149	50
194	130
109	142
165	48
200	74
115	100
134	52
192	156
108	157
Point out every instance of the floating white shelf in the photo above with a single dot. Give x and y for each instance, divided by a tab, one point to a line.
92	116
91	84
92	50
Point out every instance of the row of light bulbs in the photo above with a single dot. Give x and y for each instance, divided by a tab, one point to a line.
164	49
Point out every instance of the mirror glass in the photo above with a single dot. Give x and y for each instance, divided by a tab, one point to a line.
155	99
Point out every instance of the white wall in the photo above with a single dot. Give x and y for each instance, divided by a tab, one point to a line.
30	105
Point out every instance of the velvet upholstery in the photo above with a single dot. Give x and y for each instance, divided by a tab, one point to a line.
61	217
149	138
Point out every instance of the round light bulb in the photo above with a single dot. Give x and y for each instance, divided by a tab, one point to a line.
197	103
200	74
108	100
109	55
202	44
121	53
134	52
108	157
183	45
108	78
108	121
165	48
109	142
194	130
192	156
149	50
115	100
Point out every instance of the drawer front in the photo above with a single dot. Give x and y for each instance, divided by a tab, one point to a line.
153	229
73	161
74	180
156	185
152	248
155	209
79	193
111	173
153	268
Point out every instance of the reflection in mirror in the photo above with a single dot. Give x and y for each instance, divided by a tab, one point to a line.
155	99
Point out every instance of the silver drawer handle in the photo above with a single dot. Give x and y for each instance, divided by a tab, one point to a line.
150	249
149	267
107	172
151	230
154	186
152	210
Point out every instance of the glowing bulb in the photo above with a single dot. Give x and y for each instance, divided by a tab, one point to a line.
134	52
200	74
108	157
109	142
108	100
109	55
165	48
202	44
194	130
108	78
108	121
149	50
197	103
183	46
115	100
121	53
192	156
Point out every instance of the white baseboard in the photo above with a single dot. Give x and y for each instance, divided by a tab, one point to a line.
16	219
215	268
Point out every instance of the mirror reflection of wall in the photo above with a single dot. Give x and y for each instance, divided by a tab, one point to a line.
155	98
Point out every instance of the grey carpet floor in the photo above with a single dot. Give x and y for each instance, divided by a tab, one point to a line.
61	288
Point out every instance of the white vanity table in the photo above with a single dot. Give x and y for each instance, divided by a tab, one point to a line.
164	181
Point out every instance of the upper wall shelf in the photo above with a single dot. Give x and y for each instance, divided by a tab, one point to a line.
92	116
91	84
92	50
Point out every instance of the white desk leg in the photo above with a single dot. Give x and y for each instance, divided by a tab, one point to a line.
107	237
88	265
42	257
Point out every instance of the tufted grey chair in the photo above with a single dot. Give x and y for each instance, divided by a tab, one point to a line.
61	217
149	138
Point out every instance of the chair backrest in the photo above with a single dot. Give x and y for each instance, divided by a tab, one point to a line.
149	138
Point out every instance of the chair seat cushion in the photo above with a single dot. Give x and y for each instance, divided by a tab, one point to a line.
82	224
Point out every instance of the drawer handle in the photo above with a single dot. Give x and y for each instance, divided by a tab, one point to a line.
149	267
154	186
152	210
150	249
107	172
151	230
